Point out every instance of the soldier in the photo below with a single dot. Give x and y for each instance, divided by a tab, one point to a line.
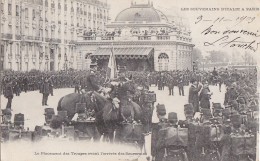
173	140
206	146
205	96
25	83
231	93
193	94
45	90
8	93
181	86
234	144
77	87
91	81
161	114
192	133
171	87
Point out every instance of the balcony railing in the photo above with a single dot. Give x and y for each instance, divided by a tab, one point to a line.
107	38
7	36
47	39
144	37
89	38
163	37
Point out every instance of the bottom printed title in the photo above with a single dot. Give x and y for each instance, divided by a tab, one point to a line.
90	154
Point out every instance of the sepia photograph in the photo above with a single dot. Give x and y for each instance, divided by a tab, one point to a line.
129	80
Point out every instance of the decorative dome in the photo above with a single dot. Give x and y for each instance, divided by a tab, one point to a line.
141	12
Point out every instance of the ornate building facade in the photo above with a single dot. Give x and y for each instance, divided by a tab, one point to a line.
142	38
42	34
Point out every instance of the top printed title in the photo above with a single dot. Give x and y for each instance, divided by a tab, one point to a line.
221	9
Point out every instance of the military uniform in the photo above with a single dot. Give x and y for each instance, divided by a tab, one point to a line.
158	154
181	86
171	86
206	143
91	82
45	90
239	145
173	140
8	93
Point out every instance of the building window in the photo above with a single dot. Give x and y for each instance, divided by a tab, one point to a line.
26	12
2	7
17	10
10	65
163	61
33	14
9	9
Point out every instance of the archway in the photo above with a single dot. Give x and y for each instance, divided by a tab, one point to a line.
163	62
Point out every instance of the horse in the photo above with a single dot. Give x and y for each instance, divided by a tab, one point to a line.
93	100
106	116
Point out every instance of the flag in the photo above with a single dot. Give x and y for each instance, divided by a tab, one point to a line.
111	70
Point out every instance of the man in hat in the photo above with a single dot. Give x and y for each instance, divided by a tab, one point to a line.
193	94
91	80
181	86
170	83
161	114
205	96
172	141
45	89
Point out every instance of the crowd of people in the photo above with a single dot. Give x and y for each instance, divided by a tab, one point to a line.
215	135
221	133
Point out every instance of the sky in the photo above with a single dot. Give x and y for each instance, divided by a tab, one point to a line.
175	8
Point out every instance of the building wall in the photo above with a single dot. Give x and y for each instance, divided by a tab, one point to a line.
41	34
179	55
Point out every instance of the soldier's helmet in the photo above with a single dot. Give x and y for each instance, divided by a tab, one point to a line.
236	120
172	117
188	110
226	112
161	110
217	109
206	114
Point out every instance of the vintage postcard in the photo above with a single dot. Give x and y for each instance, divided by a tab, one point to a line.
129	80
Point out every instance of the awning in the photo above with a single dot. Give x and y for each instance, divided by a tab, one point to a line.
124	53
